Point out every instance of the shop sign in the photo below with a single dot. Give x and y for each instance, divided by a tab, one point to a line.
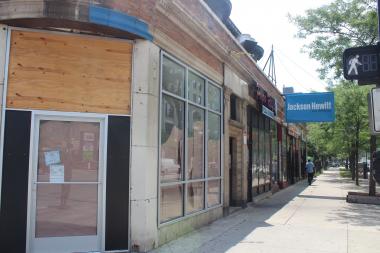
266	111
310	107
264	100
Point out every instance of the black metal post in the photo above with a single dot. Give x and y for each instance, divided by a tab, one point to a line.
378	19
372	184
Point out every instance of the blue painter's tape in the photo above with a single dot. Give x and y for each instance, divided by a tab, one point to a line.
116	19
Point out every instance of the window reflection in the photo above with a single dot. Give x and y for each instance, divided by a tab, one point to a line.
213	145
261	151
171	202
195	197
196	88
66	210
68	147
177	112
255	151
195	143
68	152
214	98
173	77
172	139
213	193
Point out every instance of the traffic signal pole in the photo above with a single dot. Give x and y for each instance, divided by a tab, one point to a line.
372	184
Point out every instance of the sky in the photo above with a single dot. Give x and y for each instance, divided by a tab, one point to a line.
267	22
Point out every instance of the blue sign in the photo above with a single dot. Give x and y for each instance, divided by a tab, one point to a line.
310	107
267	112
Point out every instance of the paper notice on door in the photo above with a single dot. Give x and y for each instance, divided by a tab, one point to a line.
57	173
52	157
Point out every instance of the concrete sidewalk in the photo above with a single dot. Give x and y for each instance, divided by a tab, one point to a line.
299	219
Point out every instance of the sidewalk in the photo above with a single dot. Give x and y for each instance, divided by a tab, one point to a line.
299	219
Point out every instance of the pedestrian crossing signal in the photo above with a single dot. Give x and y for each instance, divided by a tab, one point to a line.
362	64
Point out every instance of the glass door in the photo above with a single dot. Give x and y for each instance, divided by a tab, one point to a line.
66	207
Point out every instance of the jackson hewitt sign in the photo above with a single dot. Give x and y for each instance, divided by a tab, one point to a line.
310	107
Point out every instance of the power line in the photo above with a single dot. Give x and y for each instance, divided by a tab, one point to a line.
302	68
290	73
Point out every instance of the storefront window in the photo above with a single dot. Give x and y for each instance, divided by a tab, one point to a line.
213	145
195	197
284	156
213	193
171	202
195	143
261	150
267	151
255	151
190	129
196	89
173	77
172	139
275	174
214	98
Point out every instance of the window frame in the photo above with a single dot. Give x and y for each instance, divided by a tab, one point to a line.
206	109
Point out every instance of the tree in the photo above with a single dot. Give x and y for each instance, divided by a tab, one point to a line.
349	134
335	27
331	29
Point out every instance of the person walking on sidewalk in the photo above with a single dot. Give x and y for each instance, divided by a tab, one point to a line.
310	171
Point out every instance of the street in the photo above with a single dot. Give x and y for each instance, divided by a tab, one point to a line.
302	219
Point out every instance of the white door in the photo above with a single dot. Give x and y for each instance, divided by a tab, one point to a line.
66	185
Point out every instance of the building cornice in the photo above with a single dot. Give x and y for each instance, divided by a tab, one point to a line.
234	55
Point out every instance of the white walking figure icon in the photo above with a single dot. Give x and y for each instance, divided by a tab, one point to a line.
353	62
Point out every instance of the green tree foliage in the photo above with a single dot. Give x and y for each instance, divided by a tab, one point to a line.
329	30
349	134
335	27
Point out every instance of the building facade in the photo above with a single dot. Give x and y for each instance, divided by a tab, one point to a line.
126	124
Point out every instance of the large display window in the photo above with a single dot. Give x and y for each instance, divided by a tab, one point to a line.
190	137
263	151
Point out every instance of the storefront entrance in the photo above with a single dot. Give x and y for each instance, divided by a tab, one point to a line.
67	182
66	146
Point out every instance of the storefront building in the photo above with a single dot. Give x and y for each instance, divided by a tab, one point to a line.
117	130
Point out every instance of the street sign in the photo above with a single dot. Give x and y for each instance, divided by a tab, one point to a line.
362	64
374	111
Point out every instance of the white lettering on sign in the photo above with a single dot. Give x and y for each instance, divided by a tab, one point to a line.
326	106
266	111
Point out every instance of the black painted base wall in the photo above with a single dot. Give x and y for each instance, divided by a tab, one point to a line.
117	193
14	190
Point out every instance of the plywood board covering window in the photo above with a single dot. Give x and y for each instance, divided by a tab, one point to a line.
64	72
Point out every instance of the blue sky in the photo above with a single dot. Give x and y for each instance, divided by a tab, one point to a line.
267	22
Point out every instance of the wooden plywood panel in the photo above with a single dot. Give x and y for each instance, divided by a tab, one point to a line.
51	71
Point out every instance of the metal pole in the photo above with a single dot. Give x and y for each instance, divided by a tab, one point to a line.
371	183
378	19
372	186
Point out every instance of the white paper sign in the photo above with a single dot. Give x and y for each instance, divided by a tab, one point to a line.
57	173
52	157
